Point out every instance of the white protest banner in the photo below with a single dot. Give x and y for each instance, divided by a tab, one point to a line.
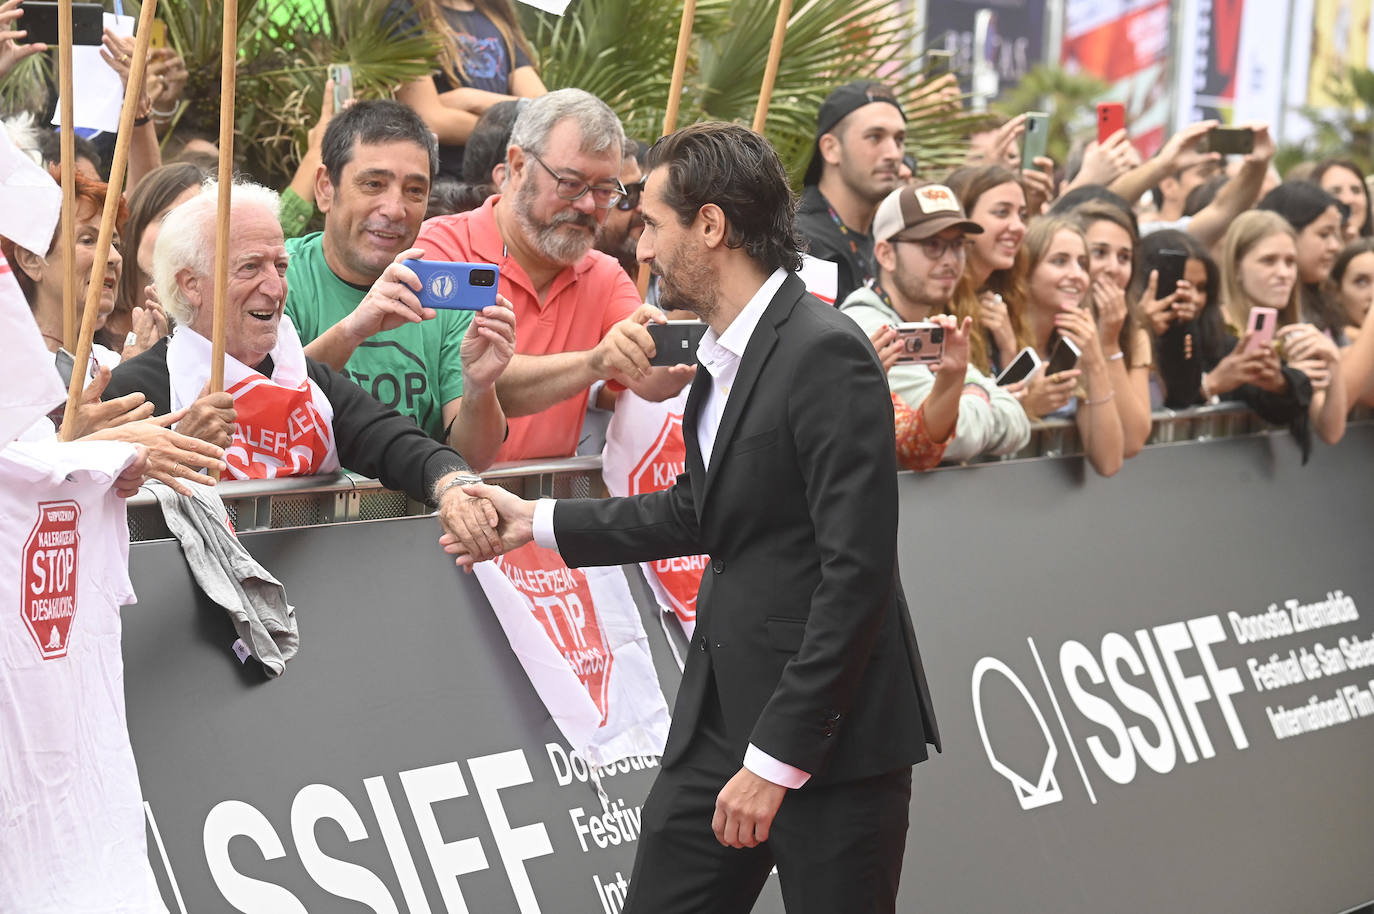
97	94
29	384
822	278
645	453
557	7
578	636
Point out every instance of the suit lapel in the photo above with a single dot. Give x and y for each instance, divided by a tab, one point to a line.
761	343
696	461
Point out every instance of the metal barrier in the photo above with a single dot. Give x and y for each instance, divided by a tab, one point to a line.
314	500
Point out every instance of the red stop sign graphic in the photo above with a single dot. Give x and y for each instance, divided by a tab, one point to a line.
47	582
278	431
656	471
563	605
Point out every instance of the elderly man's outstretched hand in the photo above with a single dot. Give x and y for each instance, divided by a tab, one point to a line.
481	522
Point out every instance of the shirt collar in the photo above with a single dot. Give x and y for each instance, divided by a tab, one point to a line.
735	339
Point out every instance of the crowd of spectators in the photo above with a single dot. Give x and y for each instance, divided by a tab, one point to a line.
1014	262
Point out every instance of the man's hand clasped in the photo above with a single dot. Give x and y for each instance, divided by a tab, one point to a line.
482	521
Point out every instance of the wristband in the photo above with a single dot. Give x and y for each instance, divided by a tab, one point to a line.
1116	355
144	119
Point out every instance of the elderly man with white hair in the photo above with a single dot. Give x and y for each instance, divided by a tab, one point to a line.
282	413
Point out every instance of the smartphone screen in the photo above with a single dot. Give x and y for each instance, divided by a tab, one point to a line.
40	21
1170	264
1026	361
1063	358
1231	140
342	74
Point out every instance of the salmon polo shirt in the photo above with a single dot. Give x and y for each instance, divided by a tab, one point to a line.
583	303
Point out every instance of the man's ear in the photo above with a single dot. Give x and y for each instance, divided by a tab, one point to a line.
190	285
324	190
831	148
32	264
886	255
515	165
714	227
498	174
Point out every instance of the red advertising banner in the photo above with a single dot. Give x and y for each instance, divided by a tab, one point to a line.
1125	43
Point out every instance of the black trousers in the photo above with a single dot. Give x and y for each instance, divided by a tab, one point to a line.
837	847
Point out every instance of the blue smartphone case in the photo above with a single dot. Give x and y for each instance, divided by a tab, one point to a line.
456	286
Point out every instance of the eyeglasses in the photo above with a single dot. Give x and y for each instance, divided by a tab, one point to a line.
632	195
573	189
935	248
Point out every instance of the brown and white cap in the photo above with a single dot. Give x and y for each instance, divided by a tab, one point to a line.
920	211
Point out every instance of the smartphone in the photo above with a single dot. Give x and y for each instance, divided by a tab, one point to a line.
1169	263
157	38
1111	117
939	61
342	74
1063	358
1021	367
40	21
1035	139
1230	140
1263	322
923	343
65	362
675	343
456	286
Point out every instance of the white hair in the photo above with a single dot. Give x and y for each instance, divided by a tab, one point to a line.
600	128
187	240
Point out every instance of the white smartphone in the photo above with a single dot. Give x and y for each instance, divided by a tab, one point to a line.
1021	367
1064	357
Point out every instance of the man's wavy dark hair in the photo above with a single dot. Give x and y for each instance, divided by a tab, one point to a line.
737	170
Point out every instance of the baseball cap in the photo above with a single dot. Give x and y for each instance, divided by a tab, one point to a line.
920	211
838	105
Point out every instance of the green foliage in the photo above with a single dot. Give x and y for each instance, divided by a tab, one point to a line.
1068	98
285	50
622	50
1346	129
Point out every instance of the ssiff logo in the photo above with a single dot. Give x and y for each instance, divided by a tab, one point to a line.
47	598
563	604
656	471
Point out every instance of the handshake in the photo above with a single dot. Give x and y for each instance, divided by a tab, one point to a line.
482	521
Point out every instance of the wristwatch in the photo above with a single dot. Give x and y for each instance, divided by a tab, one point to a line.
461	479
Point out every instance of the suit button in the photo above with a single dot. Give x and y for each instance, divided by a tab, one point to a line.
829	731
718	565
834	715
701	643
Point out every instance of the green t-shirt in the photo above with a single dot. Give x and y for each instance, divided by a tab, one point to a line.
415	368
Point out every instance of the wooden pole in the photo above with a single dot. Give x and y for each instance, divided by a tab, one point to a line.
770	72
228	58
684	45
67	151
138	66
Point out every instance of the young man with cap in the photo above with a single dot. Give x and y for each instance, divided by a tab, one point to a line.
920	237
860	133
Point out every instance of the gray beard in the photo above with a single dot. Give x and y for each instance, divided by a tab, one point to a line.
551	244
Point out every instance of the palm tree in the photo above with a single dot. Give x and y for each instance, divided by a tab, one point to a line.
1068	99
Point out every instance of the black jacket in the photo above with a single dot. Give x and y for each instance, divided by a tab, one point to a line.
851	251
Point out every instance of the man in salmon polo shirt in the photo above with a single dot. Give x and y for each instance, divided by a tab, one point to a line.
578	317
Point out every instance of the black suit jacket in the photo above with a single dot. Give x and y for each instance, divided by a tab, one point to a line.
800	618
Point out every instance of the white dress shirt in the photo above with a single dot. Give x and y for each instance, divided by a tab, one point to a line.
720	356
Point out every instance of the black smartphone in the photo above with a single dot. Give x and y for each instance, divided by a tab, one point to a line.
675	343
455	286
1170	264
1063	358
40	21
1230	140
1026	361
65	362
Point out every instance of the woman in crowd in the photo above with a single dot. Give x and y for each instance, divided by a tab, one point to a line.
1056	307
992	289
1260	266
484	58
42	275
1352	285
1343	180
1111	238
1316	219
137	321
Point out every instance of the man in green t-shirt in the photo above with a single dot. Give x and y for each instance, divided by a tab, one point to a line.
354	304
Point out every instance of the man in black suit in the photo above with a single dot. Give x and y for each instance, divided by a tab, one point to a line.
803	704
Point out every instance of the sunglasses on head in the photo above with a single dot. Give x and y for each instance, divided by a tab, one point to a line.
632	194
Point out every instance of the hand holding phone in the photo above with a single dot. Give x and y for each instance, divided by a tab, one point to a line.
1021	367
1230	140
1261	325
40	21
342	74
1170	263
1036	138
1064	357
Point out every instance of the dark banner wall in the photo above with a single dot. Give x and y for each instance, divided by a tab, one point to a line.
1015	40
1155	693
